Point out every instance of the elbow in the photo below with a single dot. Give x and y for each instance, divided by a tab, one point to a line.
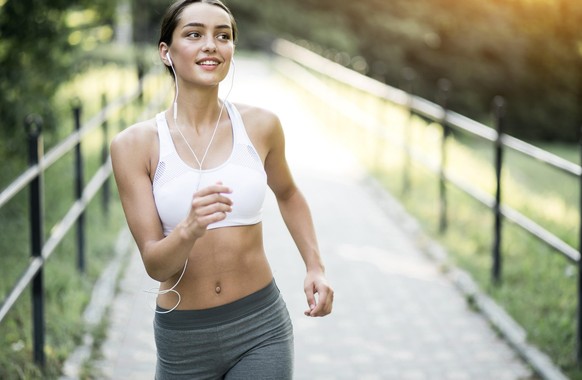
162	272
156	274
161	265
152	262
287	195
155	270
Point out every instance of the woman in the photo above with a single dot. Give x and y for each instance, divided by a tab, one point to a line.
192	183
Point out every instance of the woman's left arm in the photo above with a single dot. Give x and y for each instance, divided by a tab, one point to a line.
297	217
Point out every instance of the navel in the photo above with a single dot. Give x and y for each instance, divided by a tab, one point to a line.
217	288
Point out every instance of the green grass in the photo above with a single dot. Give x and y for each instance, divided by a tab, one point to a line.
67	294
538	286
67	291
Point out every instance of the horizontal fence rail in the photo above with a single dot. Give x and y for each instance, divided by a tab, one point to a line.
64	225
63	148
32	178
314	62
306	68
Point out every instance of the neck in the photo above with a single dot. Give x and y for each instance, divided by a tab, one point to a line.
202	112
198	109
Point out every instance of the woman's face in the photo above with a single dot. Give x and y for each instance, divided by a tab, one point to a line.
202	44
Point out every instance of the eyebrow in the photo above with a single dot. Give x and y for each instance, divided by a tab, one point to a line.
201	25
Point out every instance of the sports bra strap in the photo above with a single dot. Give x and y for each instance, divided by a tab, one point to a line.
239	133
166	143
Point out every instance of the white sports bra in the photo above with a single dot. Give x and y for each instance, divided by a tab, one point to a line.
243	172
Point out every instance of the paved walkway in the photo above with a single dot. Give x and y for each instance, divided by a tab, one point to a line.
396	316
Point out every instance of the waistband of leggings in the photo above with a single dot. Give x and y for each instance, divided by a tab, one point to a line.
219	315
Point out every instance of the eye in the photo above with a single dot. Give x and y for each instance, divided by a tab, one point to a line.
224	36
193	35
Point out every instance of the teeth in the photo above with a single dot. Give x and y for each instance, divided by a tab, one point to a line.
209	63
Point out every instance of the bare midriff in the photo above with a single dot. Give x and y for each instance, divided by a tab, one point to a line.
225	265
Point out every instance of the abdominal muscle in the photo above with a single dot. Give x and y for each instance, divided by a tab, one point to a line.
225	265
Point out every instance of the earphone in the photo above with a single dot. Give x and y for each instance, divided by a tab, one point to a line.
176	84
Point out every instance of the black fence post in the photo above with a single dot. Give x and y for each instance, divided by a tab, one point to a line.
409	76
579	304
77	107
140	75
33	126
499	114
106	193
443	98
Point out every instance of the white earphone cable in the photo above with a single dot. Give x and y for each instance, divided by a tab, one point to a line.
156	291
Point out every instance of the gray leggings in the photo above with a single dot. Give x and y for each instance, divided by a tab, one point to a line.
251	338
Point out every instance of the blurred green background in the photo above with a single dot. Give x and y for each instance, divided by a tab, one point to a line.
529	51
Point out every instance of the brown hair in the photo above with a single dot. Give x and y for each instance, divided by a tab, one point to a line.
174	11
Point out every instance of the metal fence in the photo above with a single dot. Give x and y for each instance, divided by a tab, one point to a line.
307	68
32	179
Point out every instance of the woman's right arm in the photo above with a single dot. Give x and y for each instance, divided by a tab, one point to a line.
131	157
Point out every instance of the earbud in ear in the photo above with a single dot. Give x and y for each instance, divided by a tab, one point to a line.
169	59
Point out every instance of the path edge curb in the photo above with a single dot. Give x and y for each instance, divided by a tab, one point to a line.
505	325
102	295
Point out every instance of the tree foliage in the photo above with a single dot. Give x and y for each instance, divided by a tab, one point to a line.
526	50
41	46
529	51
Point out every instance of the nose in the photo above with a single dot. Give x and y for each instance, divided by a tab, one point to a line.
209	44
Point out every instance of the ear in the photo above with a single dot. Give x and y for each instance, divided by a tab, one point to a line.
163	50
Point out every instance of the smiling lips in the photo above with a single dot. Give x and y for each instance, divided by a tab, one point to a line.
208	63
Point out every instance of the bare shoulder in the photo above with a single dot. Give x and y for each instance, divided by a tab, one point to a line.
257	117
264	129
141	134
136	148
